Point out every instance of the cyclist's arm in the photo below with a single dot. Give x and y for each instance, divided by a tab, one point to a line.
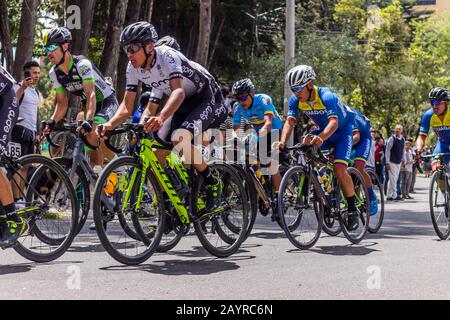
62	104
125	110
330	129
292	116
356	137
149	111
175	100
287	132
267	126
91	100
423	131
420	142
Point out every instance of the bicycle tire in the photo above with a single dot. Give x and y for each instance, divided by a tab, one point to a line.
442	233
380	214
363	209
200	224
124	258
64	245
85	188
317	205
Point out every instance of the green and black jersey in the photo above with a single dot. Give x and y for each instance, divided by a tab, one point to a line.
81	70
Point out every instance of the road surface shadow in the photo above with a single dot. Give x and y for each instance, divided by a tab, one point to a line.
346	250
268	235
179	267
26	267
16	268
197	252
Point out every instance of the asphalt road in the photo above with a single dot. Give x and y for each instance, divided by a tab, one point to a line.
404	261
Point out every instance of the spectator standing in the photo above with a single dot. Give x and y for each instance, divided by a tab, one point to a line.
407	169
394	156
379	158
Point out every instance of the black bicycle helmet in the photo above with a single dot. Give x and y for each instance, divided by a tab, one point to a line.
138	32
168	41
243	86
440	94
57	36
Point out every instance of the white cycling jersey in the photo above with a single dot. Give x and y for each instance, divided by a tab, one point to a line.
169	64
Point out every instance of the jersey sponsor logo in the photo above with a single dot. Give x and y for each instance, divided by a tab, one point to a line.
84	70
188	72
160	83
442	128
170	58
2	86
316	112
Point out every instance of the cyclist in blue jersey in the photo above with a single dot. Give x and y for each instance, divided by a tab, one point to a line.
260	113
438	118
334	124
362	142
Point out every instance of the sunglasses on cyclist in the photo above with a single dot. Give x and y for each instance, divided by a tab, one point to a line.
242	98
435	102
132	48
51	48
297	89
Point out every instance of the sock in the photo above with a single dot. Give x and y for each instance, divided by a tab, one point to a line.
10	211
372	194
208	176
351	203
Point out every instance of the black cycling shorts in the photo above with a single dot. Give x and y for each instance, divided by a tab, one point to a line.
197	114
9	111
26	138
106	109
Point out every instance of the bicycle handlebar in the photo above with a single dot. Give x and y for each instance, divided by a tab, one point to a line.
66	127
126	128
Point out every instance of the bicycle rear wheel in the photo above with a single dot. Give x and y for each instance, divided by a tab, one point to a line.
210	227
362	206
300	208
439	204
376	221
50	210
82	189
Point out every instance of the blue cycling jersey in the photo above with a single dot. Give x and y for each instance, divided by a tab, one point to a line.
262	106
326	107
441	128
361	123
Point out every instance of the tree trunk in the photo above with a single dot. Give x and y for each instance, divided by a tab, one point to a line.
110	56
24	51
204	32
147	12
216	41
5	35
133	12
80	43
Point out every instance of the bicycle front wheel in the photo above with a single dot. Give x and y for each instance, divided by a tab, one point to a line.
300	208
439	204
121	229
50	209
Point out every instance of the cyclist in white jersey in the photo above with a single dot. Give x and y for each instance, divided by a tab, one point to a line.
195	101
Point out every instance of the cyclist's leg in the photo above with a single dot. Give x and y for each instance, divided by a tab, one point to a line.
362	151
343	142
105	111
361	156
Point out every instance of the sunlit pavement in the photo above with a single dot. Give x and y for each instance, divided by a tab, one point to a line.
405	260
